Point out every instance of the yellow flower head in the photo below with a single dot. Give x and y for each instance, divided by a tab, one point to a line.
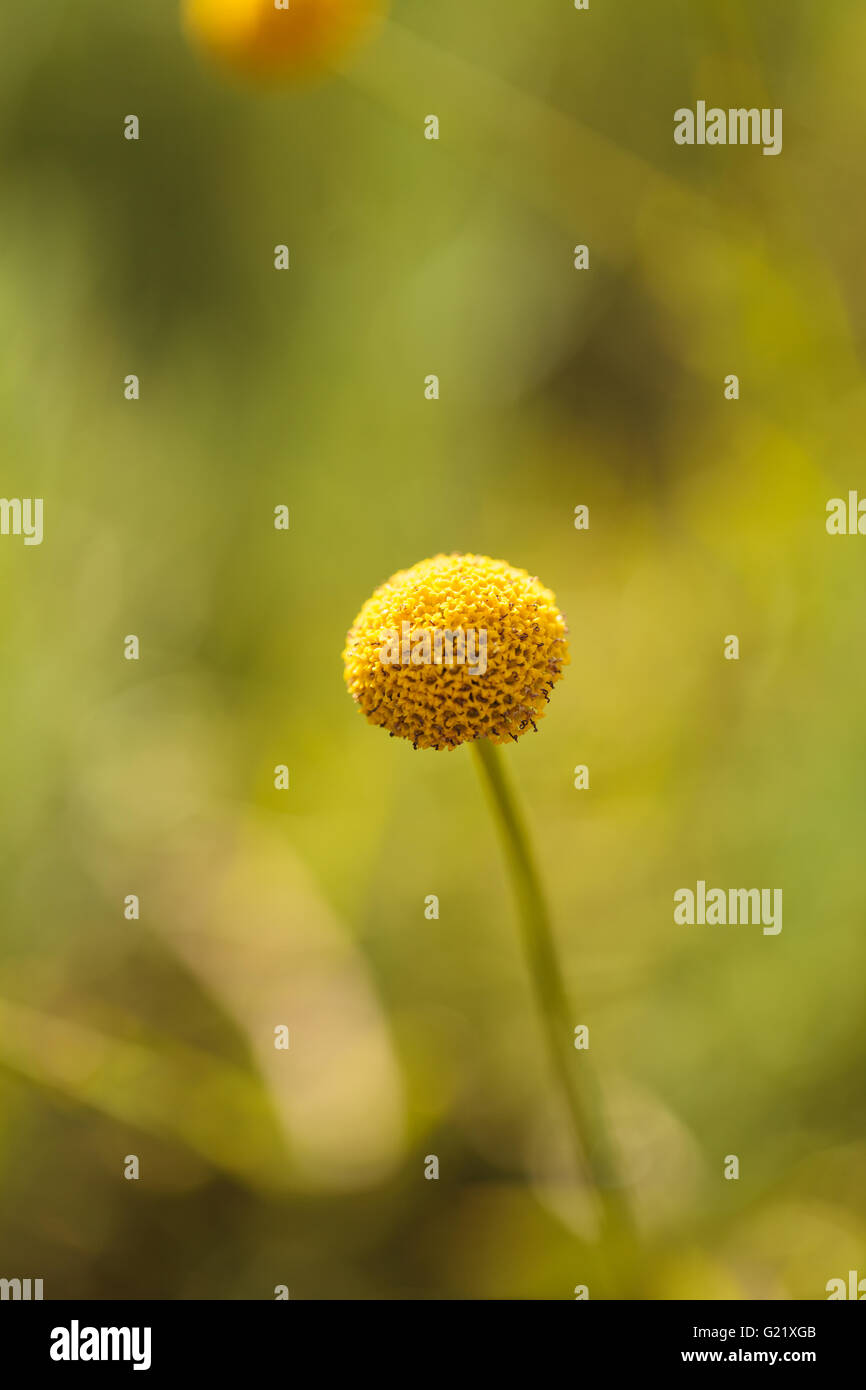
454	649
261	39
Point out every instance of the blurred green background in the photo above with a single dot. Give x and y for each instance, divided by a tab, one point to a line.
258	907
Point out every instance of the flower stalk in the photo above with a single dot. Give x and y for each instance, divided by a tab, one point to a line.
594	1145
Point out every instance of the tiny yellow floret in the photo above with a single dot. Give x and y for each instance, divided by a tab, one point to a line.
456	648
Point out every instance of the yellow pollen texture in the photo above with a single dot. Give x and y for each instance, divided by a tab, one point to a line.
437	704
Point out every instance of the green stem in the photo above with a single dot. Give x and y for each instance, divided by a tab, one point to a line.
595	1148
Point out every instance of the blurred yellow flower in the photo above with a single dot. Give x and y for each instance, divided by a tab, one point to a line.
460	647
263	39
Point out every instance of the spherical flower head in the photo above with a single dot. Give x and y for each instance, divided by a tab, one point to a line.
456	648
260	40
